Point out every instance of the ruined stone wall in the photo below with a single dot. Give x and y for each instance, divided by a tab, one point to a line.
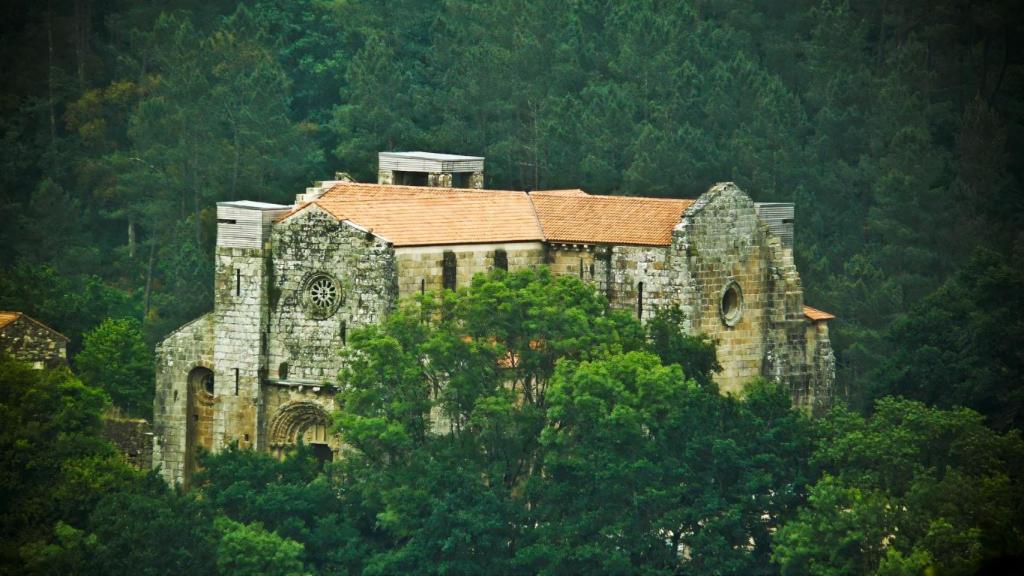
305	340
184	351
421	267
723	247
133	437
34	344
821	362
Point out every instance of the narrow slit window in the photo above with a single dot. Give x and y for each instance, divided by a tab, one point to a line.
448	272
238	282
423	285
237	378
581	268
501	259
640	300
344	332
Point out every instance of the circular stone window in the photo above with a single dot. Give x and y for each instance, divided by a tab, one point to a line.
731	306
321	295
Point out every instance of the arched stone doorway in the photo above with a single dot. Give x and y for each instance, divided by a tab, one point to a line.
199	417
306	421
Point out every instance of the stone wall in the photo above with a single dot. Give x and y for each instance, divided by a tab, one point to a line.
185	351
620	271
305	342
33	343
723	246
133	437
291	410
239	361
420	268
821	362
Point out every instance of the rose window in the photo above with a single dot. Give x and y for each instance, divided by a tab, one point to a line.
321	296
323	293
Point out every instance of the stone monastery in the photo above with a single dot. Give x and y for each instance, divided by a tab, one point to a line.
292	281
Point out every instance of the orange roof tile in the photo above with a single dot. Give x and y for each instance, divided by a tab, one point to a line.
8	317
815	315
423	216
419	216
590	219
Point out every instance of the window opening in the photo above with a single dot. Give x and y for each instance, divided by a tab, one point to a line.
237	378
323	293
640	300
238	282
731	306
448	270
344	332
501	259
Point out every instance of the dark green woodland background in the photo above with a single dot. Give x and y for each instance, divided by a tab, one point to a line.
896	127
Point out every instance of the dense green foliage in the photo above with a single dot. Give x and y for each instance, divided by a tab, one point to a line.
908	488
116	359
522	426
55	466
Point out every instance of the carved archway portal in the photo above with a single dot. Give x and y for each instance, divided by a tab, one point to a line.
307	421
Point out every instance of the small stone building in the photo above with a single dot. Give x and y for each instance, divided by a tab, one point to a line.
292	281
31	341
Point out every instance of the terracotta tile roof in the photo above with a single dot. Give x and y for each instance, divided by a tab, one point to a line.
588	219
815	315
566	192
422	216
8	317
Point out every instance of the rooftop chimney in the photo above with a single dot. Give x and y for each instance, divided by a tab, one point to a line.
430	169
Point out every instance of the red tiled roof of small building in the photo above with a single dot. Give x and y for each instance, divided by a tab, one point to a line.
8	317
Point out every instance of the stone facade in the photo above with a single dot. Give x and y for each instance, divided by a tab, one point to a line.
260	370
133	437
421	269
31	341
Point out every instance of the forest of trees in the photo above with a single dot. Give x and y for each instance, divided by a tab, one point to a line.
894	126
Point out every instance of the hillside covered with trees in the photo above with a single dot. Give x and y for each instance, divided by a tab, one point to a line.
895	127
